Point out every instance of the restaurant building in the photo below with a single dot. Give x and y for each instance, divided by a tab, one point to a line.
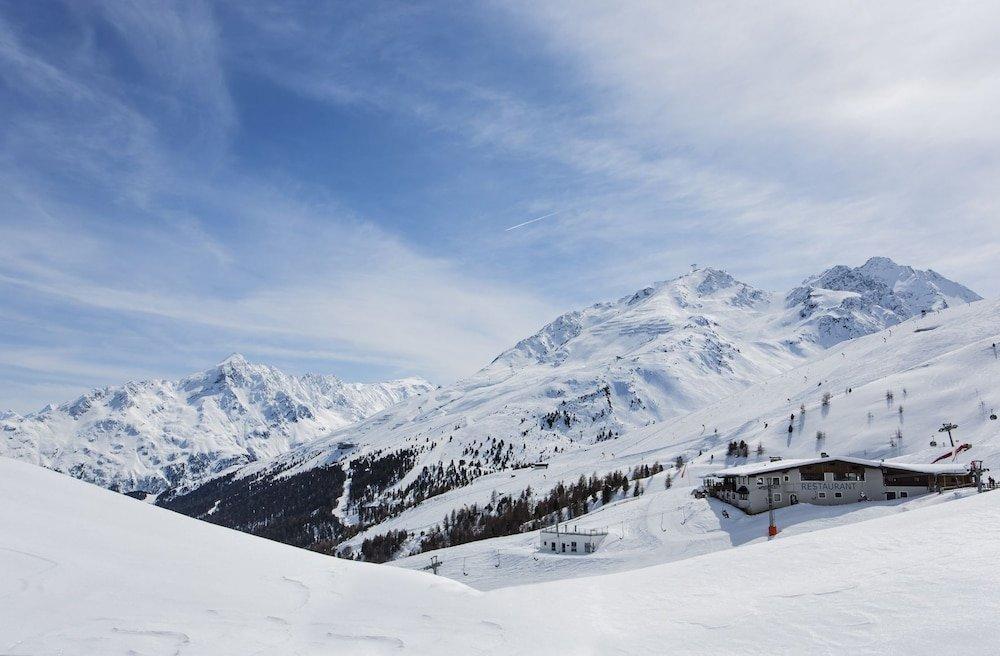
830	481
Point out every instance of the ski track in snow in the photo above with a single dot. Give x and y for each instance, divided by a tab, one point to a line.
302	591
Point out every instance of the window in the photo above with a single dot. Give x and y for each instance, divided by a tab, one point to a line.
786	478
775	481
573	546
586	547
776	496
760	481
903	495
553	546
811	473
838	494
822	495
907	478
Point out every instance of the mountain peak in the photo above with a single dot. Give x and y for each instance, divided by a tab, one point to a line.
844	302
708	280
879	261
234	359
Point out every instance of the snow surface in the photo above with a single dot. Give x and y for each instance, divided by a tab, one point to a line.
87	571
148	435
657	527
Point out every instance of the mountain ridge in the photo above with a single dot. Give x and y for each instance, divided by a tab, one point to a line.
153	434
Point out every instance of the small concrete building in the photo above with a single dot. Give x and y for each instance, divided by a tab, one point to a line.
830	481
556	539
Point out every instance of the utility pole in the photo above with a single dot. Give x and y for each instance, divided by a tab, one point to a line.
948	427
772	530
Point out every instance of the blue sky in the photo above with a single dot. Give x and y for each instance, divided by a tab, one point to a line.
327	187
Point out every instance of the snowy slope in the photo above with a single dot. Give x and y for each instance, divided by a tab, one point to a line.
588	384
86	571
148	435
660	526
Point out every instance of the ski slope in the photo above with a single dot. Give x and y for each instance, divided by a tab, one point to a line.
87	571
658	527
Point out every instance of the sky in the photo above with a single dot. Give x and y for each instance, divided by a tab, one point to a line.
331	187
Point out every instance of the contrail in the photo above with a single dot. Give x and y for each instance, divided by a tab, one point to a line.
544	216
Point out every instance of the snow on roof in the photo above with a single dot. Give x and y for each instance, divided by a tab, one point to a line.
781	465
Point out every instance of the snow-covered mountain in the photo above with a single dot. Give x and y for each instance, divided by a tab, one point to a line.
153	434
648	361
843	303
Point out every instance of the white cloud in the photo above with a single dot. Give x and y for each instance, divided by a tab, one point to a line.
816	131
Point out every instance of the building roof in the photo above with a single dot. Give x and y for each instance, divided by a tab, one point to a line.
589	532
753	469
